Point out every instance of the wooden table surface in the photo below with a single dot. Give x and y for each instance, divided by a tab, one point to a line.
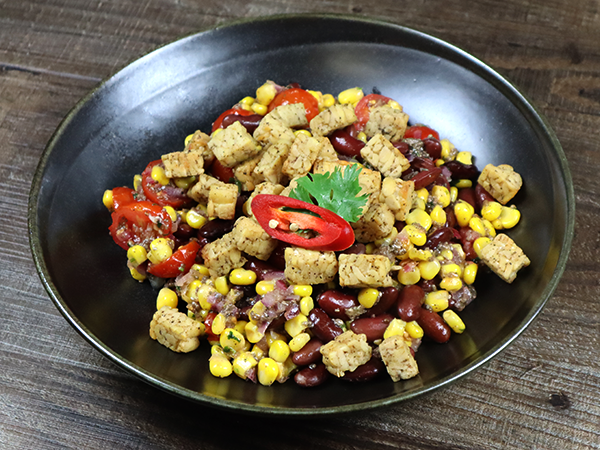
56	391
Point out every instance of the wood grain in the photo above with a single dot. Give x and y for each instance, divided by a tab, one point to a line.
57	392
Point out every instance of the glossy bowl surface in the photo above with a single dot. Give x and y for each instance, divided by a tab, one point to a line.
148	108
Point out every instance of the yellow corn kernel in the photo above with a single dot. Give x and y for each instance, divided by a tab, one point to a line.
203	293
395	328
306	305
458	250
245	107
184	182
243	363
263	286
136	275
421	217
216	349
299	341
423	194
166	297
266	93
362	137
221	285
351	96
240	326
220	366
252	333
218	325
463	212
450	269
418	254
194	219
439	162
453	194
414	330
429	269
491	210
258	352
160	249
217	131
316	94
409	274
279	350
191	293
257	310
464	157
370	248
172	213
200	269
416	234
230	338
479	243
419	203
158	175
187	139
242	277
441	194
259	108
247	101
136	255
297	325
107	199
438	215
268	371
389	238
454	321
451	284
328	100
137	182
438	300
272	336
448	150
470	273
462	184
476	224
509	217
489	228
394	104
303	290
367	297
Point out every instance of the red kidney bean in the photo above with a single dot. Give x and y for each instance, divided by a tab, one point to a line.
387	298
433	147
409	303
468	195
442	234
426	177
462	171
324	328
260	268
423	163
312	375
442	180
372	327
309	354
434	326
216	228
250	122
482	196
357	248
467	237
427	285
335	303
450	217
277	258
184	232
366	372
402	146
345	144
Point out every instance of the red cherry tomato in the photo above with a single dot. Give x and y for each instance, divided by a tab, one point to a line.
297	95
123	196
421	132
219	171
219	122
333	232
364	107
178	263
210	317
139	222
169	195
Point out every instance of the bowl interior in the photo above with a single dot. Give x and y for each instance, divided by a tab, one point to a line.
149	107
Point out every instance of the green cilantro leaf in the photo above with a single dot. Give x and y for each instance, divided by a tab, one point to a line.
336	191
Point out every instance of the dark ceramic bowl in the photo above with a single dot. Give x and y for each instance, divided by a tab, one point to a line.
150	106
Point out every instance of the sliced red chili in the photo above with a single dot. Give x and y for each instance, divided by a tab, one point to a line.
178	263
298	225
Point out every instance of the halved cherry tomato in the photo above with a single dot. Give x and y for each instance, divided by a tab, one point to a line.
123	196
296	95
139	222
364	107
219	122
421	132
210	317
332	232
178	263
169	195
219	171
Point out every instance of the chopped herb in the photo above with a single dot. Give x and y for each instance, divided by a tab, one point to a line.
232	336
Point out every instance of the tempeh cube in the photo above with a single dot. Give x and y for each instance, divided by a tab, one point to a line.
270	165
398	360
222	255
233	145
250	238
504	257
388	121
381	154
265	187
272	130
346	353
302	155
397	195
502	182
199	143
183	164
303	266
291	115
331	119
360	271
244	173
201	189
221	201
376	223
175	330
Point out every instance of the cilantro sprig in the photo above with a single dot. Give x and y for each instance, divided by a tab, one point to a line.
336	191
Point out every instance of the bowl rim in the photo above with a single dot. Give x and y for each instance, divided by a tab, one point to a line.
488	73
